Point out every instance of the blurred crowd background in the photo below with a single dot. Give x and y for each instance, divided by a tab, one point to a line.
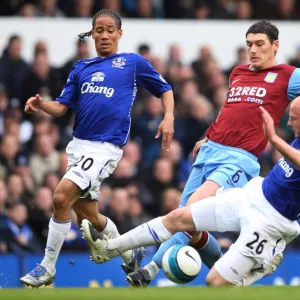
171	9
148	181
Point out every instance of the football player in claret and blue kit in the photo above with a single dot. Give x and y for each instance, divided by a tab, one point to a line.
233	143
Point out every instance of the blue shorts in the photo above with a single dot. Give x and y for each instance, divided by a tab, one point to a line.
227	166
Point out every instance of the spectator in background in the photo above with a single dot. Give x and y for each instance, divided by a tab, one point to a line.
51	181
27	10
22	169
44	159
40	47
117	209
3	197
295	61
175	54
82	51
243	10
9	148
170	200
178	9
23	240
136	212
40	79
223	9
131	151
241	59
114	5
123	174
16	190
202	9
74	241
48	8
13	68
162	177
145	126
3	106
287	9
83	8
145	51
182	167
40	213
205	54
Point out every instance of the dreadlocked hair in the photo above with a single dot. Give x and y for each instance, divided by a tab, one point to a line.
100	13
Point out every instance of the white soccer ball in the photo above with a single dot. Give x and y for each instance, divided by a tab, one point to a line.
181	263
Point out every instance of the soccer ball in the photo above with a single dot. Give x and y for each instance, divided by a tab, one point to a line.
181	263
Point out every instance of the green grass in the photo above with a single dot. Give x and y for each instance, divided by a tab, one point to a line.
182	293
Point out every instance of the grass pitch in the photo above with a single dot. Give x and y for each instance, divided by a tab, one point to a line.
174	293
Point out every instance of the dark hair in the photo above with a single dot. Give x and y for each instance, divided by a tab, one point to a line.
100	13
13	38
266	27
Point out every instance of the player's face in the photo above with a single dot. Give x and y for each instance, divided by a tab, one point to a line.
106	36
294	119
261	51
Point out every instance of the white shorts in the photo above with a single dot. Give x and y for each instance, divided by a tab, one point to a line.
264	232
89	163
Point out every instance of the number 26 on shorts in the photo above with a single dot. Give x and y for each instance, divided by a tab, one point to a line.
257	244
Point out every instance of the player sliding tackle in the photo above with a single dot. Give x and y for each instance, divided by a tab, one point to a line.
264	211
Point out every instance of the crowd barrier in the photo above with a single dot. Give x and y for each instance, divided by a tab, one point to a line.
76	270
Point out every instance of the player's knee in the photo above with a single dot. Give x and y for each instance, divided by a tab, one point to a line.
60	201
180	218
215	279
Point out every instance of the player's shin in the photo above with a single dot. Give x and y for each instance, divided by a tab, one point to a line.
209	249
56	237
151	233
155	265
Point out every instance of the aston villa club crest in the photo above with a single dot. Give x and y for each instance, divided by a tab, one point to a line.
270	77
119	62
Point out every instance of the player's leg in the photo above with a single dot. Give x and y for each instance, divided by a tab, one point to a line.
209	214
207	189
64	196
98	226
99	163
230	269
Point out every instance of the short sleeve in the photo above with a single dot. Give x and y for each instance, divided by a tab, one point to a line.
147	77
68	95
293	90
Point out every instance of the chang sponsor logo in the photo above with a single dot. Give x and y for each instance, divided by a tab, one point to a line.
285	167
90	87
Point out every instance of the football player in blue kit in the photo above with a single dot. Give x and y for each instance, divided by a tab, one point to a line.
101	91
265	211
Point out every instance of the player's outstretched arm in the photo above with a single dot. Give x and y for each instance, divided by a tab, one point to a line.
166	127
53	108
289	152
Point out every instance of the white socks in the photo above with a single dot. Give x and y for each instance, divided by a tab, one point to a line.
56	237
147	234
153	269
111	230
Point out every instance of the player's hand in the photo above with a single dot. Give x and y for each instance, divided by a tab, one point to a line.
198	146
268	124
166	129
32	104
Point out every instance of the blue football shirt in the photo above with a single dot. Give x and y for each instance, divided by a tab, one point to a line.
281	187
102	92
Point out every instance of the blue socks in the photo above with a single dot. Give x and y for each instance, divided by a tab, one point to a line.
211	252
208	248
177	238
